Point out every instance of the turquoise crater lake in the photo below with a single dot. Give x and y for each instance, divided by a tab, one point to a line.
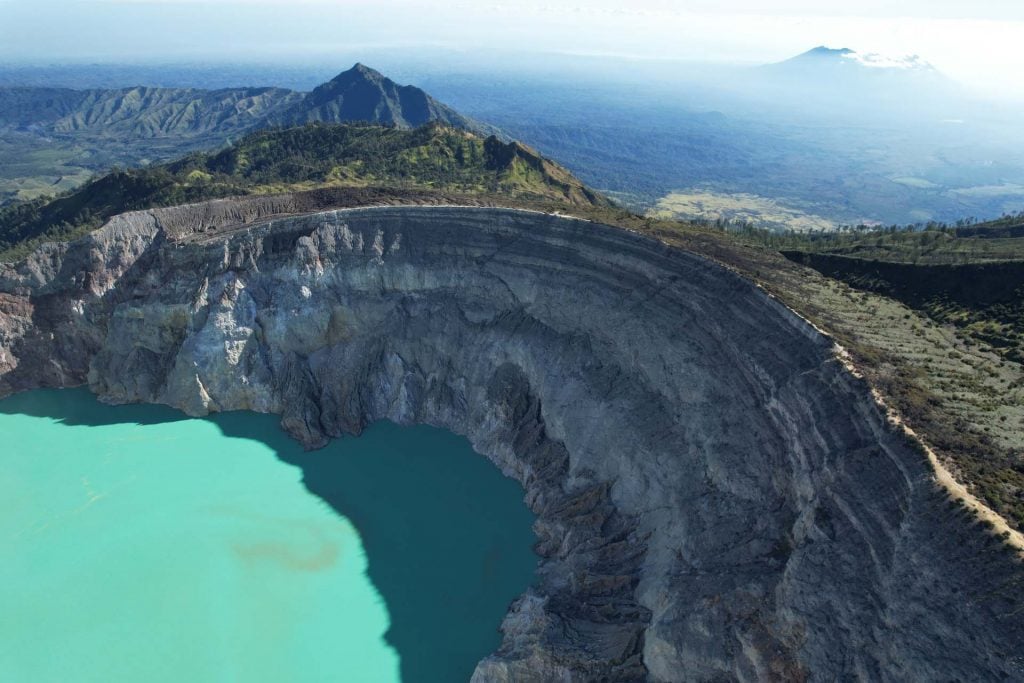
138	544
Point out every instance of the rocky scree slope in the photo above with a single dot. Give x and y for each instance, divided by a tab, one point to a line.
716	497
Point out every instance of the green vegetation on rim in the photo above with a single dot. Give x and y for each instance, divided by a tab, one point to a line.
929	244
970	276
432	157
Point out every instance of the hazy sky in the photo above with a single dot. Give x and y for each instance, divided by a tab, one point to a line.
977	41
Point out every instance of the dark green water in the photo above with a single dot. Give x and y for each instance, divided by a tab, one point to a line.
137	544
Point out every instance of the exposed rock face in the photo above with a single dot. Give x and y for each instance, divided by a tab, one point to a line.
716	497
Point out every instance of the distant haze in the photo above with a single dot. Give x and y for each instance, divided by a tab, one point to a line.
977	43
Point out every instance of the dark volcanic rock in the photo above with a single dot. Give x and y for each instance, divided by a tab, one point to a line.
363	94
717	498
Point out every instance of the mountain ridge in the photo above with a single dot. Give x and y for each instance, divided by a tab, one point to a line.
435	157
54	139
357	94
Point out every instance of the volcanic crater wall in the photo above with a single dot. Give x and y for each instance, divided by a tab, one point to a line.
716	497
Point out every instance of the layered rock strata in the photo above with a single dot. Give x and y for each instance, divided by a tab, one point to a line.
716	497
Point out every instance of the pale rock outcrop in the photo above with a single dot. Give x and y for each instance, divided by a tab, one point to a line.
716	497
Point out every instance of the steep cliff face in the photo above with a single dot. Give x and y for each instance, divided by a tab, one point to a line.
716	497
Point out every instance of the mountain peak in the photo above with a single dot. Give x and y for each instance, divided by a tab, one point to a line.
360	69
824	51
823	55
365	94
358	73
